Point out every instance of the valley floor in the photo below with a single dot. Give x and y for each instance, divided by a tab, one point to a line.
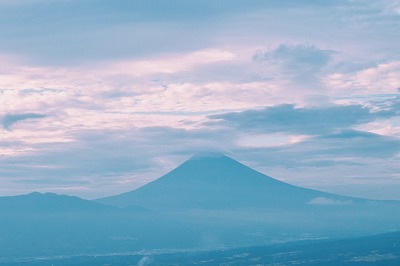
373	250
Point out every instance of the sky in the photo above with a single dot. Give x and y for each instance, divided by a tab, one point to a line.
100	97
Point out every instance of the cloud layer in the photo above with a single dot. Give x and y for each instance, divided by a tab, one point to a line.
98	98
288	119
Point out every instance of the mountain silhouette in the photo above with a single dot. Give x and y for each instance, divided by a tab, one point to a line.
215	181
47	202
232	203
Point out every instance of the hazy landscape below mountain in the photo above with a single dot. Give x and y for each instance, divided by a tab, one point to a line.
209	202
377	250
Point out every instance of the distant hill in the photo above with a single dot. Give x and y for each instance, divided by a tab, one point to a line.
47	202
47	224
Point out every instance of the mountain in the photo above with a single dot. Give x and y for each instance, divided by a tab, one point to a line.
219	182
47	202
48	224
232	203
208	202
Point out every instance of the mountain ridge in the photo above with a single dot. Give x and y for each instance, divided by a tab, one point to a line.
39	202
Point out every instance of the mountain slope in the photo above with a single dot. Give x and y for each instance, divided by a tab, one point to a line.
219	182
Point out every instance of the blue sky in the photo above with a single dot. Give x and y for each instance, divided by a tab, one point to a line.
101	97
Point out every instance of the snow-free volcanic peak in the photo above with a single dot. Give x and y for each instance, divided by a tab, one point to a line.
216	181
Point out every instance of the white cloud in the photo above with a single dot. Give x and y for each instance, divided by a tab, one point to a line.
327	201
269	140
384	78
113	96
387	127
169	64
15	151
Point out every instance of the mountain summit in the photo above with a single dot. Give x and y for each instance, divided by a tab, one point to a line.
215	181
